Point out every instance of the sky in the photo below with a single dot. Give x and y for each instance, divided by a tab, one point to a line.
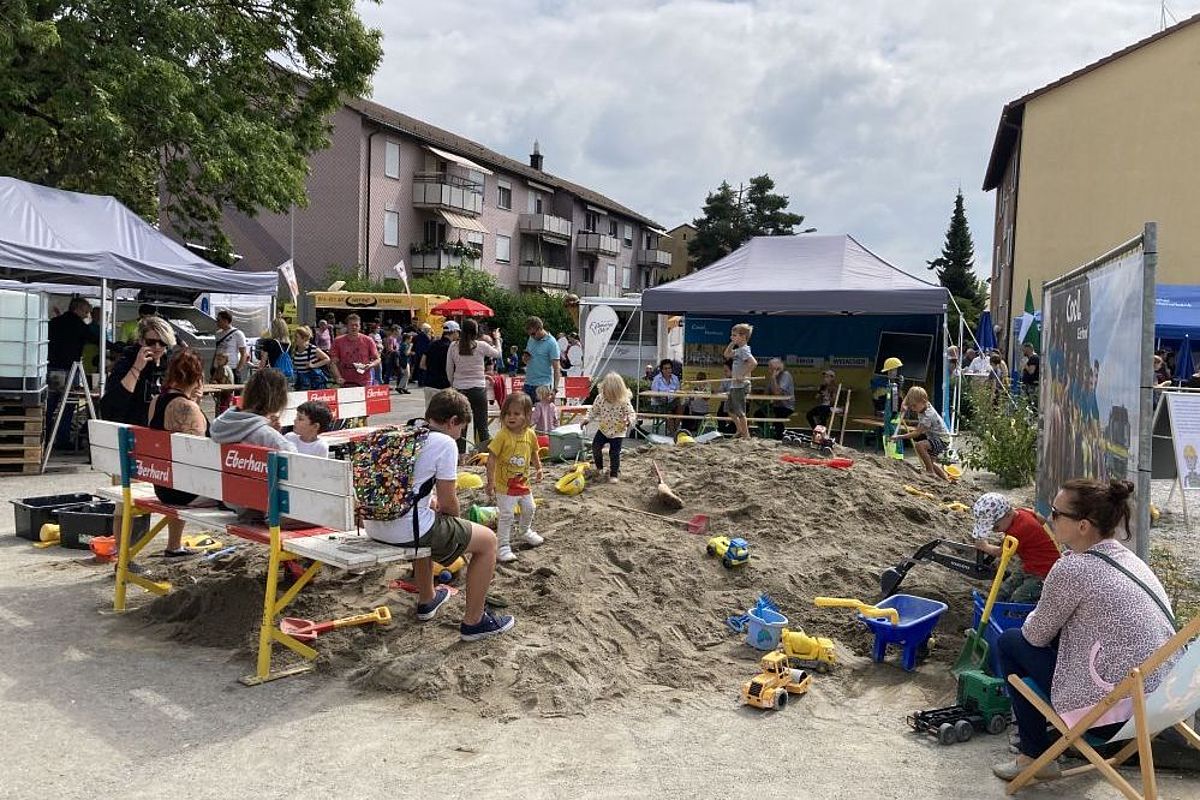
869	114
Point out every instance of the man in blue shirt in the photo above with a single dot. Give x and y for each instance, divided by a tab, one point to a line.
544	367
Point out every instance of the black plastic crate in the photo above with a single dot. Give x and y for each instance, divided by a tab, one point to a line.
31	513
78	524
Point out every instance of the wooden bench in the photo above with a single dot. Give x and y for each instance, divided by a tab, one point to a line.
317	492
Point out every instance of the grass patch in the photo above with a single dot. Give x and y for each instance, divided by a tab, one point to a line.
1182	589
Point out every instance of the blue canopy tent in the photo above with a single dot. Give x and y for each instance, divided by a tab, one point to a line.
985	333
1177	324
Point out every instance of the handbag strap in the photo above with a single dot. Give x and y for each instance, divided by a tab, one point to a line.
1157	600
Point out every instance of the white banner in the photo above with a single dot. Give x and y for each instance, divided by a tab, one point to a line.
288	270
403	273
1185	430
597	332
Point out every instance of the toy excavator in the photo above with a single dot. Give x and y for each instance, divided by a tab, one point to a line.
962	558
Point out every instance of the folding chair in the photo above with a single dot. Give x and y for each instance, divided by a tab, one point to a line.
1176	700
838	409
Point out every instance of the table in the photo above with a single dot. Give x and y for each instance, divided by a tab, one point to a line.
217	388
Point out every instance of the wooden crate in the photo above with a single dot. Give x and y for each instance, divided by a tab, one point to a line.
20	468
11	453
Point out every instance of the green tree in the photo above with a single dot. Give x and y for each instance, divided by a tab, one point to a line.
956	268
731	218
177	107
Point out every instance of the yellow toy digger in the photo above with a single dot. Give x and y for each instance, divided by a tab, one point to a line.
770	687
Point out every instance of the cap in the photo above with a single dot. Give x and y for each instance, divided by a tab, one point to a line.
892	363
450	326
988	510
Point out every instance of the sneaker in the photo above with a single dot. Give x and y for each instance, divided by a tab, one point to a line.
613	479
489	625
505	554
426	611
180	554
1011	769
532	539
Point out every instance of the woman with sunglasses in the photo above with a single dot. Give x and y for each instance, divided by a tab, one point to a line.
137	377
1102	612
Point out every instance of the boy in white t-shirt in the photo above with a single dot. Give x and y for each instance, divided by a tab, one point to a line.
312	419
447	535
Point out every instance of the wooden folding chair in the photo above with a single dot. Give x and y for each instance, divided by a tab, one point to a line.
838	409
1176	700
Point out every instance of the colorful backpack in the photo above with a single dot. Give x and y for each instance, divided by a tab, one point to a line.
383	464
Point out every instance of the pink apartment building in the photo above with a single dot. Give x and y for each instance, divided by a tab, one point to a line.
391	187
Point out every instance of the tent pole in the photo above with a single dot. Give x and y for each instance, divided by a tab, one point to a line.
103	334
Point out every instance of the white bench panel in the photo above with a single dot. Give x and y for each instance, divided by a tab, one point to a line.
107	460
351	394
351	550
328	475
358	408
103	434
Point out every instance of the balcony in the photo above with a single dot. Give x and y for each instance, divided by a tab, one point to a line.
598	243
425	258
446	191
653	258
541	275
600	290
547	225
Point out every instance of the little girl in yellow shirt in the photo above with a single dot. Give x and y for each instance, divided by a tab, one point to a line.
513	460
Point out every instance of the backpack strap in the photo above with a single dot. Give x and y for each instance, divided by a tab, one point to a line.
1157	600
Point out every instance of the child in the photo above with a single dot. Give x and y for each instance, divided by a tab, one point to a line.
312	419
930	437
614	416
442	531
513	364
513	458
743	364
545	414
1036	549
222	373
821	413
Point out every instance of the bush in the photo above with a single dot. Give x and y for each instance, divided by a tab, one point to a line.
1005	437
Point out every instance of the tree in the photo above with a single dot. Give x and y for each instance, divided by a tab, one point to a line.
731	218
178	107
956	268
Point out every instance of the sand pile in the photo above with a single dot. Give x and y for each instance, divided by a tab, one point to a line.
619	604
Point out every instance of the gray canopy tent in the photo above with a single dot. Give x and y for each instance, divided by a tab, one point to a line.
55	236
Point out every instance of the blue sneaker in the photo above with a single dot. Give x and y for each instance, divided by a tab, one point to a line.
426	611
489	625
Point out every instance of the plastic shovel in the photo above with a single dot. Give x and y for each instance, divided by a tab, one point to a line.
698	523
866	609
974	654
306	630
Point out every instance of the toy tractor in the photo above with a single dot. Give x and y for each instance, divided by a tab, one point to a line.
732	552
982	704
802	650
770	687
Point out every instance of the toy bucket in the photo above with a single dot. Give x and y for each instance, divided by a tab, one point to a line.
764	627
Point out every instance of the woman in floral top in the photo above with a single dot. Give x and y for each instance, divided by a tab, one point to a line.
613	414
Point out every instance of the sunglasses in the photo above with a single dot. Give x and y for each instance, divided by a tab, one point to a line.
154	343
1055	514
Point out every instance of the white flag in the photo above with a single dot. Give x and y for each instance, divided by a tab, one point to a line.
403	273
288	270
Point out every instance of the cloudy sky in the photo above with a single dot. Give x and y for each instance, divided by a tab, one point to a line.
868	114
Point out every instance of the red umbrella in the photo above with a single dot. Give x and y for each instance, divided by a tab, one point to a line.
463	306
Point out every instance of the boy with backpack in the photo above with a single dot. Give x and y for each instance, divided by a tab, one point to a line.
408	498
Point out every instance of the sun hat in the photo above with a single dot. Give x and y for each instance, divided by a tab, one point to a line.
988	510
450	326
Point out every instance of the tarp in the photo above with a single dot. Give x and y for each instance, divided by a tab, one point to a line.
46	233
800	275
1176	311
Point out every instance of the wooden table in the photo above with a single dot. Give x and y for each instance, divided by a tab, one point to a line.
217	388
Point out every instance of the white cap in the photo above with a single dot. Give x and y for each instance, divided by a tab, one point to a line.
450	326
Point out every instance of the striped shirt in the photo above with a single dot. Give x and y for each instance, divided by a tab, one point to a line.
302	359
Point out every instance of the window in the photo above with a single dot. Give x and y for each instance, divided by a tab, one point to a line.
591	222
537	202
649	244
626	277
391	159
608	275
628	235
504	193
476	179
391	228
612	228
433	232
503	249
475	240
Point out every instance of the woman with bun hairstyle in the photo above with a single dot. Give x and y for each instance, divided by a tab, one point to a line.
1102	612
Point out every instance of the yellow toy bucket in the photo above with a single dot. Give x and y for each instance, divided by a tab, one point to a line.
954	471
683	439
573	482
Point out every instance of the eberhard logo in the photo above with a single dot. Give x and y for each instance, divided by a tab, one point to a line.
153	473
247	463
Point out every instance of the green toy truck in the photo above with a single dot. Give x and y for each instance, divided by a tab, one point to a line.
982	704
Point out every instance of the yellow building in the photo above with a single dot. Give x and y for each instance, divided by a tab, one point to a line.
677	246
1081	164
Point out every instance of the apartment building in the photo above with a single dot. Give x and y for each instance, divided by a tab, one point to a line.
392	188
677	246
1081	164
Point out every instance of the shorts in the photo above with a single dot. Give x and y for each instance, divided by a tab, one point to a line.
937	445
174	497
447	538
736	404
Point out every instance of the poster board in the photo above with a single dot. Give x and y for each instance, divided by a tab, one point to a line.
913	349
1183	411
1096	387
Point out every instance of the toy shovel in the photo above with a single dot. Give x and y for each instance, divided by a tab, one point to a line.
306	630
974	654
865	609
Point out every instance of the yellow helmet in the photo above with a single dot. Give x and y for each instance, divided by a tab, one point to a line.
892	363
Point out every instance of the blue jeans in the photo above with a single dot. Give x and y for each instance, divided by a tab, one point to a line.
1018	657
532	392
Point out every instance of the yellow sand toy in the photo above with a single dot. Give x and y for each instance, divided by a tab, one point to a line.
683	439
803	650
915	492
775	681
867	610
49	535
953	471
478	460
203	542
960	508
468	480
573	482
